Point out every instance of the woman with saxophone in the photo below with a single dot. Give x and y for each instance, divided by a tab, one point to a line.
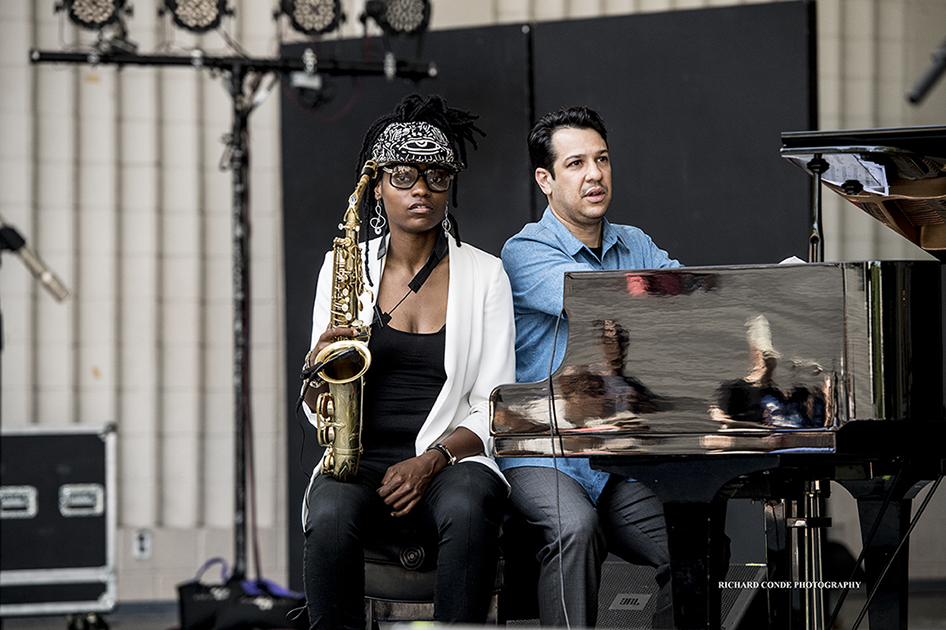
441	338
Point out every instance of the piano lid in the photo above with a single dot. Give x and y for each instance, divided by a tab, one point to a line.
896	175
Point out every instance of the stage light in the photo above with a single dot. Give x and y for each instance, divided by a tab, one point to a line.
400	17
313	17
93	14
197	16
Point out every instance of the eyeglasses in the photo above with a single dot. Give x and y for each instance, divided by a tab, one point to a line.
404	176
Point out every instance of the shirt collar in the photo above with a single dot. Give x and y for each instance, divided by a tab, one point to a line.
570	243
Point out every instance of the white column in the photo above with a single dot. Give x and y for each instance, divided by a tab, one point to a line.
220	428
182	295
141	316
18	293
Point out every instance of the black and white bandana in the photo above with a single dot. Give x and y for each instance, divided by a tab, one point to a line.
413	143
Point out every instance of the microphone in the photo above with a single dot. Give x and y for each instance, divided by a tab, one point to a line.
310	371
14	241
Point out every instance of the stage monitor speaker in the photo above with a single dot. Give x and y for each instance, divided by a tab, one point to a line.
626	596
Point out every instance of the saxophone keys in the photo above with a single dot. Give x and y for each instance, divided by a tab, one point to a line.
328	463
325	405
326	435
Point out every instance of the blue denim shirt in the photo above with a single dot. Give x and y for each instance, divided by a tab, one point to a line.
536	260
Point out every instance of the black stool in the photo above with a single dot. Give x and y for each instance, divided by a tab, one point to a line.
400	571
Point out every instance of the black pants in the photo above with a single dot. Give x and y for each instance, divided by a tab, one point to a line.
462	508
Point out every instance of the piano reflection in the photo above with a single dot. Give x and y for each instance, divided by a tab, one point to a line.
765	381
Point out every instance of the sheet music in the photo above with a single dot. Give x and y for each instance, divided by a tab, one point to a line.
845	167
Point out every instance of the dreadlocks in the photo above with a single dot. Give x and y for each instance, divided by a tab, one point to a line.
456	125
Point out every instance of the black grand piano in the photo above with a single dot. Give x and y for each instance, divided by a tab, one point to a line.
767	381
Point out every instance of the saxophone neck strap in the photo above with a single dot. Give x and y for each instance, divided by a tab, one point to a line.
433	259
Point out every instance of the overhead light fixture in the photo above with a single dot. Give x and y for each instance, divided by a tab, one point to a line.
313	17
400	17
197	16
93	14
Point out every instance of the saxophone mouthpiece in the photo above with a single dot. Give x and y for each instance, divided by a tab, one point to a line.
370	168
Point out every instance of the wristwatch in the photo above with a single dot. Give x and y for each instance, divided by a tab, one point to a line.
451	460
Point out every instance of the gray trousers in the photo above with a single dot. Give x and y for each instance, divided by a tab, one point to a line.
628	522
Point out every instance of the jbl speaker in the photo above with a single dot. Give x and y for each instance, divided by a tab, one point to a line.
626	595
627	592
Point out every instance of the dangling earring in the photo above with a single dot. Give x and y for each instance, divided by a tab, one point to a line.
447	225
378	221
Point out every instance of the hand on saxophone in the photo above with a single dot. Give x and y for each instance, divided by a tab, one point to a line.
330	335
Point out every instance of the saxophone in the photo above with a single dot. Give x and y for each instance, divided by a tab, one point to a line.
346	360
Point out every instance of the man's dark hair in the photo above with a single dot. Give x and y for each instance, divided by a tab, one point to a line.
541	152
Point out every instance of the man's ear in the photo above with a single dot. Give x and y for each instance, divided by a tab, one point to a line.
544	179
377	190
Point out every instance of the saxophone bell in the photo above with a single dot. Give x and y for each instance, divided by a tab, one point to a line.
342	361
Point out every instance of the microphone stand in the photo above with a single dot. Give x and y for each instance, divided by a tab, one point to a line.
12	240
236	69
930	77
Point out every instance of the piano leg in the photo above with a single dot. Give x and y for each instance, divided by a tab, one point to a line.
699	550
778	560
888	609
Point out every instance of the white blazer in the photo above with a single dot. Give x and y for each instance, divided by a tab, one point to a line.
480	343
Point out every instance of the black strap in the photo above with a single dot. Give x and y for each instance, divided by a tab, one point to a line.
433	259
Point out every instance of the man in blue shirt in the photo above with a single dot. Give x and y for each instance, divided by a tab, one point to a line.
582	512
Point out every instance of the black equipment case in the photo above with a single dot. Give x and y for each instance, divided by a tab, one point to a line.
58	519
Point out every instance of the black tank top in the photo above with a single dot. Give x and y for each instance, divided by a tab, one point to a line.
400	387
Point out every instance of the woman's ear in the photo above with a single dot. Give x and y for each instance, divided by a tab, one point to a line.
377	189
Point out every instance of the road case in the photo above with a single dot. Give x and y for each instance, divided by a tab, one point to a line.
58	520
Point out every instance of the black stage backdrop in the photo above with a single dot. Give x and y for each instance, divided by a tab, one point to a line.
694	101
